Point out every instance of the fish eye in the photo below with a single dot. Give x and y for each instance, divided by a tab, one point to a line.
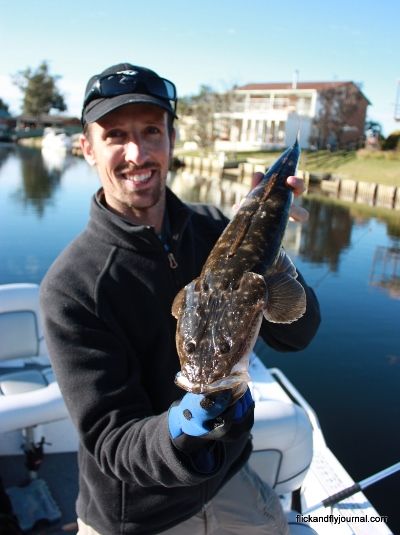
224	346
190	347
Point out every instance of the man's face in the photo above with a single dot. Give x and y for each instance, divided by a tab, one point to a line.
131	148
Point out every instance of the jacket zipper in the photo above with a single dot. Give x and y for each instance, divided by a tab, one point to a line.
173	264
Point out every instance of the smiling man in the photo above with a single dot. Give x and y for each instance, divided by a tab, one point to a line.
131	149
145	466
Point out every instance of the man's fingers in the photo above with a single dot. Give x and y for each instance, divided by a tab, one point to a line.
297	184
298	214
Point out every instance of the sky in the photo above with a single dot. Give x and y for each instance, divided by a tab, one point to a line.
218	43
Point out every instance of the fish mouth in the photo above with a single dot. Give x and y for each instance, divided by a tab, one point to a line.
236	383
230	382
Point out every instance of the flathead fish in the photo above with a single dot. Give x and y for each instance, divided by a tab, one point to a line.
246	276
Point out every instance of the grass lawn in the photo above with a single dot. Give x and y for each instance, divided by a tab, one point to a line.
342	164
350	165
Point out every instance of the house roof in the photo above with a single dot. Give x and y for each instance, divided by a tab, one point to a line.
47	118
319	86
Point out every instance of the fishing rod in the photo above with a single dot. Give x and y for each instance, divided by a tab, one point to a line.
353	489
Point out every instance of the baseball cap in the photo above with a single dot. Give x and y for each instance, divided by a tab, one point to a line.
125	83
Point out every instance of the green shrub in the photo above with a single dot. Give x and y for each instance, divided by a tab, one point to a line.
392	142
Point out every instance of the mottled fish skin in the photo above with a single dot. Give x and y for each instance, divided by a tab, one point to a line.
246	275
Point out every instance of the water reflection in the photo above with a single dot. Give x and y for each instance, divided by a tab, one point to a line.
326	234
322	240
41	176
5	152
55	161
385	271
222	192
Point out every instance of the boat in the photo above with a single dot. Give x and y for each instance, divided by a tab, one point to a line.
56	139
290	451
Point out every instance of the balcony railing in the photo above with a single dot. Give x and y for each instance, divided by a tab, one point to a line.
267	105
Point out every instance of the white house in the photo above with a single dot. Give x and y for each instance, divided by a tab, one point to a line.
263	116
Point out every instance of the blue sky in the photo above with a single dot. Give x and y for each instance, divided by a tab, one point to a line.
213	42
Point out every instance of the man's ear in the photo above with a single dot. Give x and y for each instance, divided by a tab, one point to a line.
87	150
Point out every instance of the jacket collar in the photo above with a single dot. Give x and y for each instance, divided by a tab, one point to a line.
120	231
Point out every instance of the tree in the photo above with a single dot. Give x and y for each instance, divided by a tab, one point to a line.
202	108
337	105
373	134
373	128
3	105
392	142
40	92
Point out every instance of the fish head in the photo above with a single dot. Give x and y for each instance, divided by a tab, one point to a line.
216	331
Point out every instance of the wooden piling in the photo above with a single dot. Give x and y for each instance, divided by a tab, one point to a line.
397	199
385	196
331	186
366	193
348	190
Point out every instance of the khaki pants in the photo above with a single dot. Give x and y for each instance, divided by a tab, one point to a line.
244	505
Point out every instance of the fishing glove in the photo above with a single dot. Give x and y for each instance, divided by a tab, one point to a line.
209	417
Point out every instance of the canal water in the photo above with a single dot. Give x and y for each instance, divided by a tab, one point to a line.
350	373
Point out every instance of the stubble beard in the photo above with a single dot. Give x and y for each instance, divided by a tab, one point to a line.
142	206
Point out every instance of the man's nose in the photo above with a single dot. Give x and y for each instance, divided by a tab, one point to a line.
136	152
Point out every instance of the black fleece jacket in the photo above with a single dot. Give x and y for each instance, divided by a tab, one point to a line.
106	305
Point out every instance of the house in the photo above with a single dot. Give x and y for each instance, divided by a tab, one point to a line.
7	125
32	126
265	116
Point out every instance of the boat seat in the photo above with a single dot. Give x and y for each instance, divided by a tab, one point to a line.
282	434
29	394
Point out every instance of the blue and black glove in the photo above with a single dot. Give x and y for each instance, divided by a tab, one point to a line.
209	417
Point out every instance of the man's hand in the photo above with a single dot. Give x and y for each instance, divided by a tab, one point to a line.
297	213
210	417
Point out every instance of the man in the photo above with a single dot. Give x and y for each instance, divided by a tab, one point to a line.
145	466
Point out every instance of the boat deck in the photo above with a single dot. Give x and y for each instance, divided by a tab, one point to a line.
60	472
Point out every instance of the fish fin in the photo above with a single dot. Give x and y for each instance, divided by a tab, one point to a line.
283	264
286	300
178	302
182	296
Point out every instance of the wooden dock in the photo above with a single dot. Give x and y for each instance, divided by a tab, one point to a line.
379	195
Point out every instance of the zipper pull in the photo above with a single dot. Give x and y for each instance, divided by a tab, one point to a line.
173	264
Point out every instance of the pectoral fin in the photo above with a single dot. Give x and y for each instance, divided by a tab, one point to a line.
284	264
178	302
185	297
286	300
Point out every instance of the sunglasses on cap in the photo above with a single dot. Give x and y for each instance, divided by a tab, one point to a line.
131	81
